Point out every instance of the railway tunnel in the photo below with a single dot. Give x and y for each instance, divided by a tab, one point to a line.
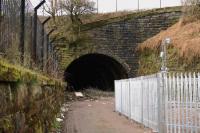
94	71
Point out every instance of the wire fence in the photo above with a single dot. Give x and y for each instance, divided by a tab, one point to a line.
133	5
9	25
23	38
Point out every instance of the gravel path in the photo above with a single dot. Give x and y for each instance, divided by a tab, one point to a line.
98	117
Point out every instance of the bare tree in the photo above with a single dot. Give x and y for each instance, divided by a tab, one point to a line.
51	8
68	25
76	8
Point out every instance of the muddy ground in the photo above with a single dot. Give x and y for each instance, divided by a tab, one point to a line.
98	116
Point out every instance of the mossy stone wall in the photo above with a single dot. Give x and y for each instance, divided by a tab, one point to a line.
29	101
28	108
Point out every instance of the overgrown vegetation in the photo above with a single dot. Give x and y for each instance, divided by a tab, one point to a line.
29	107
11	73
184	52
68	24
29	100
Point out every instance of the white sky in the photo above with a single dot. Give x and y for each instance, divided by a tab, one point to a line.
109	5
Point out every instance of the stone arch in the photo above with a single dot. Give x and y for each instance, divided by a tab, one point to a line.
94	70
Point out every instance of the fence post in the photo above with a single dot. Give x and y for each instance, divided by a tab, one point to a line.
142	113
160	3
116	4
34	36
129	83
43	44
161	102
121	97
22	30
158	95
115	82
34	52
97	6
0	10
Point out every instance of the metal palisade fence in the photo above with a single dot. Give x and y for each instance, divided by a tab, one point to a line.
23	37
165	102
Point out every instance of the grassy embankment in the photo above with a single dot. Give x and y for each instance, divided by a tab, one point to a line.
183	54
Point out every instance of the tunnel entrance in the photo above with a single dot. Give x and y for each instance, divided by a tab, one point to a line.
95	71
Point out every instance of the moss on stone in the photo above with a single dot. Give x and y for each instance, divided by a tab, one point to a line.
14	73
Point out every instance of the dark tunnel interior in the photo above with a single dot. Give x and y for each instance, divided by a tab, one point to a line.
95	71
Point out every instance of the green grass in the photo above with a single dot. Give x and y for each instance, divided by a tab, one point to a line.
150	62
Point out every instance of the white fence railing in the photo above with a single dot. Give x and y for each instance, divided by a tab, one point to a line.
167	103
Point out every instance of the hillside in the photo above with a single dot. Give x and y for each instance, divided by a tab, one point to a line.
183	53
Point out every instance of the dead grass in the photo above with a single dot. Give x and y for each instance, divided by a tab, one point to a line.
185	38
191	10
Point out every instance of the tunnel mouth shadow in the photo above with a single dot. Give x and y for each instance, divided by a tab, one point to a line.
94	71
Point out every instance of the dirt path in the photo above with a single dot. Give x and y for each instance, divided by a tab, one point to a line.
98	117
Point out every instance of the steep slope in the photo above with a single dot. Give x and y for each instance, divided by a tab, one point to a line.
183	53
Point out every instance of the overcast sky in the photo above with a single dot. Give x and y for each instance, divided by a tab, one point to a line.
109	5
